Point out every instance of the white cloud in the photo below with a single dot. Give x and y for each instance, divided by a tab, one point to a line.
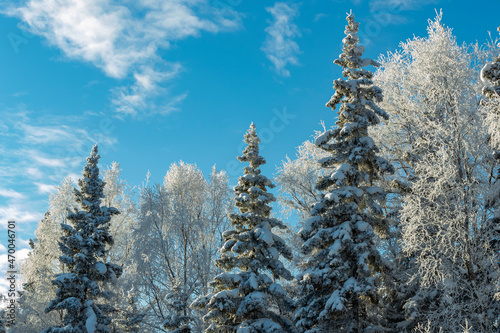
19	213
21	255
396	6
9	193
34	172
74	177
388	12
71	137
44	161
50	134
45	188
279	46
4	129
38	155
319	16
131	100
123	37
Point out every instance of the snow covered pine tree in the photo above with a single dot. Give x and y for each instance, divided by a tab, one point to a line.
340	278
491	74
248	301
84	249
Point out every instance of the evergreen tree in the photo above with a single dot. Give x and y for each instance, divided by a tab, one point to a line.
84	248
246	299
42	263
491	75
130	316
177	321
340	278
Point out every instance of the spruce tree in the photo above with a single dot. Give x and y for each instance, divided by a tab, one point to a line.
130	317
340	277
84	247
491	75
247	297
40	266
177	321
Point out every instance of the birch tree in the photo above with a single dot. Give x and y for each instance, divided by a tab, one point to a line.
437	139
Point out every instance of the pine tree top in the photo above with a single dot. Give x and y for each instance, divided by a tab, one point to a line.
357	94
352	52
91	186
251	152
490	74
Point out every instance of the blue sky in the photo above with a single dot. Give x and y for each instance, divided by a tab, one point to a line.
157	82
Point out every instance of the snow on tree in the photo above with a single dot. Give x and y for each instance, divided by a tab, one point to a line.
153	253
130	316
39	267
437	140
297	180
247	297
218	206
178	321
118	194
341	276
179	228
490	75
297	194
432	92
84	247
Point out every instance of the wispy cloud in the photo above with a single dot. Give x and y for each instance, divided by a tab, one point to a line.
21	255
45	188
121	38
44	161
49	134
383	13
9	193
399	5
4	129
319	16
19	213
148	84
71	137
38	156
280	47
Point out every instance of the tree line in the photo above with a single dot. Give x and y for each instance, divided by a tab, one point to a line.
398	206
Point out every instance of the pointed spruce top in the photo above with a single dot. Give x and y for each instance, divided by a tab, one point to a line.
490	74
91	186
357	92
352	52
251	152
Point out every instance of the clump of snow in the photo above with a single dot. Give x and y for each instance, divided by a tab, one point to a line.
101	268
91	323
